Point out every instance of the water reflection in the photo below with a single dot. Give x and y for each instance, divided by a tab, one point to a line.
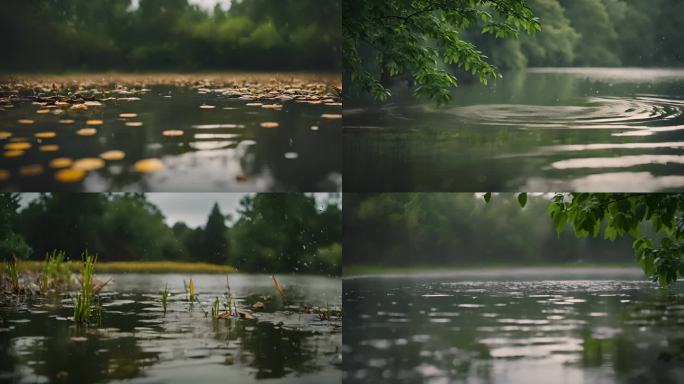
445	330
551	128
137	341
208	135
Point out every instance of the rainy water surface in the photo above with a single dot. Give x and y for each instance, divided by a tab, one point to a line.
513	327
136	341
167	133
573	129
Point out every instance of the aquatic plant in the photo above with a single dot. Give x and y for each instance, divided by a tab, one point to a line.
13	273
83	304
215	308
279	288
55	271
191	291
165	296
228	305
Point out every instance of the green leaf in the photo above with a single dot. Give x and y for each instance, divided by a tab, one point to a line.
522	199
487	197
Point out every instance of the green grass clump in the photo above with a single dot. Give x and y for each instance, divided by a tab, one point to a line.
56	272
13	274
84	300
215	308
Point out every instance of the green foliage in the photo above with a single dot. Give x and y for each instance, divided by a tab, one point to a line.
11	244
428	43
454	229
13	273
215	238
283	233
55	271
169	34
661	254
420	38
84	301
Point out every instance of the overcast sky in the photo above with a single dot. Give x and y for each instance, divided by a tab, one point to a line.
191	208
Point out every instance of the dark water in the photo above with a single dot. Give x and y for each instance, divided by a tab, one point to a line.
139	343
577	129
550	327
223	148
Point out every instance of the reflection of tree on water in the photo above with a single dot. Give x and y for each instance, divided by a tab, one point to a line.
273	350
648	348
63	359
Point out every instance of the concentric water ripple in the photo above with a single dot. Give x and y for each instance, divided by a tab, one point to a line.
547	130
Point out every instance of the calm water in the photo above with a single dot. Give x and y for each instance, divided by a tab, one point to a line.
519	327
137	342
576	129
205	135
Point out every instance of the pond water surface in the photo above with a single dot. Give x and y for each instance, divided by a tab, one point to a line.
137	342
219	133
547	326
562	129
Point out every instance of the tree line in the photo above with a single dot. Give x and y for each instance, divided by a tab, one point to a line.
272	232
447	229
76	35
594	33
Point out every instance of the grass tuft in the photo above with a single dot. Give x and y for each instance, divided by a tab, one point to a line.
83	305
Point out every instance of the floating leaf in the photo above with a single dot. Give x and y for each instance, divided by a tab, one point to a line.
172	133
70	175
4	174
86	132
269	124
258	305
331	116
271	106
113	155
45	135
134	124
13	153
128	115
67	121
522	199
49	148
148	165
61	162
244	315
88	164
94	122
31	170
487	197
18	146
25	121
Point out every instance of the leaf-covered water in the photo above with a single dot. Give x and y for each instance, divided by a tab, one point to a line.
513	328
541	130
137	341
167	133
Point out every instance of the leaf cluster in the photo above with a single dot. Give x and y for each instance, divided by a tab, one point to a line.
420	38
660	255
